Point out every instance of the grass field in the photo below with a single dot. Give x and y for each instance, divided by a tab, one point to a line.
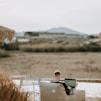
93	99
76	65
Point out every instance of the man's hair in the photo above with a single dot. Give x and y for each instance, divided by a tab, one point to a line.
57	73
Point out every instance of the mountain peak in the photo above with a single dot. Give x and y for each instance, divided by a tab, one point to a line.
63	30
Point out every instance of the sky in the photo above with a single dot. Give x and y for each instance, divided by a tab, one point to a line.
36	15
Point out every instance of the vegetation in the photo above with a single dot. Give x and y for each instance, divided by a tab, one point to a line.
0	44
32	33
42	48
51	47
92	36
53	44
59	48
3	53
11	46
41	33
9	91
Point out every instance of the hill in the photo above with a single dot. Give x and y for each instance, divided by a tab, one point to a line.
63	30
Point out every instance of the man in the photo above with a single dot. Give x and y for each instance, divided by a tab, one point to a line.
57	77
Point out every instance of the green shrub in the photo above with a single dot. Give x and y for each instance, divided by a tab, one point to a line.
92	48
92	36
11	46
32	33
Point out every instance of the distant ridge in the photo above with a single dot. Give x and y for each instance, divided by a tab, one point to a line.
64	30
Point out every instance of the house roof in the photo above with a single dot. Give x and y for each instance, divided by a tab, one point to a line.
6	33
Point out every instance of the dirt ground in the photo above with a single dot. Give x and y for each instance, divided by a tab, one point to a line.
76	65
93	99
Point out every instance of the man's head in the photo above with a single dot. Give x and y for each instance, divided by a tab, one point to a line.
57	74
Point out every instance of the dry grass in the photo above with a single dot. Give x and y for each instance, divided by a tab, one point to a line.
57	47
3	53
76	65
93	99
9	91
6	33
46	47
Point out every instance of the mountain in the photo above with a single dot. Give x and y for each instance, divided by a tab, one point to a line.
63	30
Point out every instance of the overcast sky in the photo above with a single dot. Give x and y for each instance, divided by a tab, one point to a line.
80	15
